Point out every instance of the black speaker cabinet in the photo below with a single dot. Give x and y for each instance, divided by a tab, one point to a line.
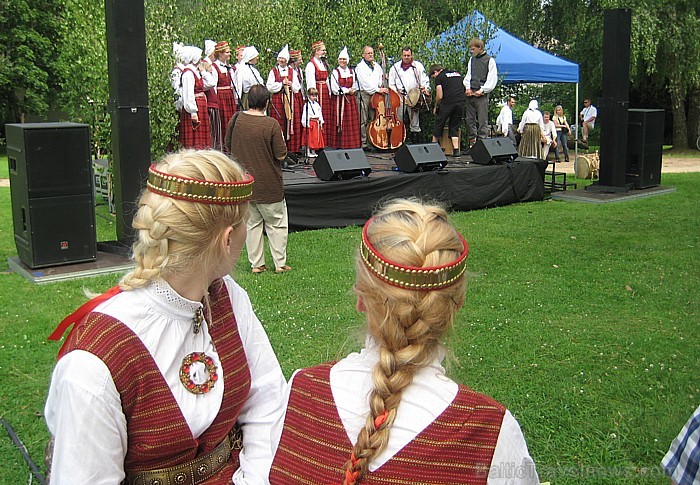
342	164
53	205
487	151
645	137
424	157
617	27
126	52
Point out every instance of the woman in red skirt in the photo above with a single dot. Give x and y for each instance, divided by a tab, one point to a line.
194	118
345	127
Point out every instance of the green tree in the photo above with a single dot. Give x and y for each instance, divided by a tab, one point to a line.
28	48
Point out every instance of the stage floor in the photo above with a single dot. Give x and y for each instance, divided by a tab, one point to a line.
315	204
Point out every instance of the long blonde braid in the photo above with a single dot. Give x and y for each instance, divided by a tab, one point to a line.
175	236
406	324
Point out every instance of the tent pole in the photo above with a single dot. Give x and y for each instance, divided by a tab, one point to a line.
577	127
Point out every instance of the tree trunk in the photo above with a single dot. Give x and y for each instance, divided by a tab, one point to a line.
680	133
693	115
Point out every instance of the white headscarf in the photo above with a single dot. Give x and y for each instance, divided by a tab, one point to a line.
177	48
190	54
533	105
249	53
344	54
284	53
209	46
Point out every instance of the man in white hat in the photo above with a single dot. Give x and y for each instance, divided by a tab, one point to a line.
344	131
247	74
211	79
283	83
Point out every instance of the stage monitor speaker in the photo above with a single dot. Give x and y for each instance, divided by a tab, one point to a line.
424	157
645	137
341	164
53	205
487	151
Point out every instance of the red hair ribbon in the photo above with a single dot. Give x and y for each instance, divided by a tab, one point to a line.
379	420
77	316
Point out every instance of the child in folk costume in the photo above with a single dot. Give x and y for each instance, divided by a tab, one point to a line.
389	414
169	377
224	86
345	128
312	120
283	83
194	118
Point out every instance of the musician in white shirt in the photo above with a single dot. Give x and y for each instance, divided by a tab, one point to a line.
405	76
370	80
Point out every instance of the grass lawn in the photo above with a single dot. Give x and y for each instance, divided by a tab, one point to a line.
582	319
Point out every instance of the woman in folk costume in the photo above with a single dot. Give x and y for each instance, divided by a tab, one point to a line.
247	74
532	128
235	68
224	86
345	128
211	79
169	377
194	118
283	85
295	139
316	74
312	121
176	74
389	414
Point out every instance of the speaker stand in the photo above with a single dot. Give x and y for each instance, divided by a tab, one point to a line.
114	247
608	189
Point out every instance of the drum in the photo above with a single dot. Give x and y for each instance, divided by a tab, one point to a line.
587	166
446	141
416	100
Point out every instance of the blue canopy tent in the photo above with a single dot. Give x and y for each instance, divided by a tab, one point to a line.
517	61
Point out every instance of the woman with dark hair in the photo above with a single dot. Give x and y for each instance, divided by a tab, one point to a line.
389	414
255	141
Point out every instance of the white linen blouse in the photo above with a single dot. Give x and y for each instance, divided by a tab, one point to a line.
84	413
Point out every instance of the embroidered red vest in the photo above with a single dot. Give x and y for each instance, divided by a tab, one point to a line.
456	448
321	75
345	82
158	435
198	81
223	77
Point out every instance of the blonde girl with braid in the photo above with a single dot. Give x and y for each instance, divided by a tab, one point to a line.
389	414
169	376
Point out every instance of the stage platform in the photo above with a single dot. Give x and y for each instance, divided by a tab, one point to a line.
461	186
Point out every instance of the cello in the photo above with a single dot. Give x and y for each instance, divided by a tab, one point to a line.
387	131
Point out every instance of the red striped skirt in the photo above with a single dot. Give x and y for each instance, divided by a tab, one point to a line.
227	108
195	137
345	123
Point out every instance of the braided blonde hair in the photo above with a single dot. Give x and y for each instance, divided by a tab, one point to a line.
406	324
178	236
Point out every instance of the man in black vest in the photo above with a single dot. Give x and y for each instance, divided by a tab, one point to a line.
449	104
480	80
